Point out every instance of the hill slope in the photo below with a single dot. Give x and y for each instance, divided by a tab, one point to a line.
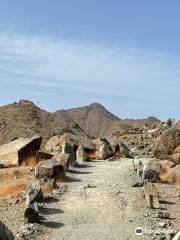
94	119
97	121
24	119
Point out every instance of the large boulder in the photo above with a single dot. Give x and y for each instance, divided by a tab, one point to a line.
170	172
102	148
63	159
49	169
167	146
19	152
151	170
34	194
68	149
55	143
81	154
5	233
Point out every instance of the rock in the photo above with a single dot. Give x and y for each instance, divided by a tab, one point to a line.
103	152
29	231
68	149
53	144
162	224
151	195
19	152
161	214
103	148
49	169
167	145
170	172
5	233
47	185
81	155
63	159
34	194
9	174
138	184
31	214
176	155
151	170
136	164
120	150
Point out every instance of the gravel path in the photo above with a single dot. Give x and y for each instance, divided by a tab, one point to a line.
99	204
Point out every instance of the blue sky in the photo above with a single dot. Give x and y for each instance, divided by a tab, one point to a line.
123	54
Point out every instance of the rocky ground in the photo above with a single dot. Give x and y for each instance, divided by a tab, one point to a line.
101	203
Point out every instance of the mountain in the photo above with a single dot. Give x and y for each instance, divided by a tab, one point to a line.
94	119
24	119
97	121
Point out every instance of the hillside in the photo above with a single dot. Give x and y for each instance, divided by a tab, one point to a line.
94	119
24	119
97	121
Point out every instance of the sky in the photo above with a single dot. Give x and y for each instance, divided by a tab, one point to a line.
62	54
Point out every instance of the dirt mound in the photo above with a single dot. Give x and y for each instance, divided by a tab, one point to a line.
24	119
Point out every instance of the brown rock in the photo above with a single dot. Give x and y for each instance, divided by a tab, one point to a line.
103	148
68	149
34	194
151	195
20	152
48	169
167	143
80	154
63	159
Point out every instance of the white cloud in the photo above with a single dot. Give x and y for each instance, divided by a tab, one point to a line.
49	64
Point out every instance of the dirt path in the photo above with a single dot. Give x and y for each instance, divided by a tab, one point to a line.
99	204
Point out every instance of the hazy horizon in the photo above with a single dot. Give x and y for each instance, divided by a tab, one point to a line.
122	54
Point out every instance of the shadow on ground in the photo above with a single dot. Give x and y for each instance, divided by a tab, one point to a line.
50	211
53	225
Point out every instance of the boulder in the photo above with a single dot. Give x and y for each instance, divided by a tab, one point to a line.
48	169
19	152
167	146
34	194
170	172
151	170
53	144
68	149
31	214
5	233
176	155
103	148
63	159
151	195
81	155
47	185
9	174
103	151
119	149
124	151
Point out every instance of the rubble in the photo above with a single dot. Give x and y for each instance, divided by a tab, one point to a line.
28	231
